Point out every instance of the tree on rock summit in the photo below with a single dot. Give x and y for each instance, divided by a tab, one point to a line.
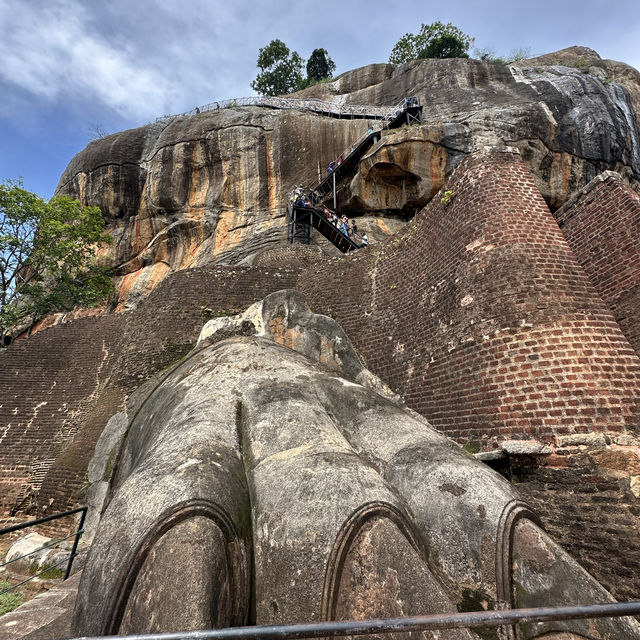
436	40
319	66
281	70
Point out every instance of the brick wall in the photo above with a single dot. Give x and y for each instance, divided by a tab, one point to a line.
587	505
48	382
62	384
480	316
602	226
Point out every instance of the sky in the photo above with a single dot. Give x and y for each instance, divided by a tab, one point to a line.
71	67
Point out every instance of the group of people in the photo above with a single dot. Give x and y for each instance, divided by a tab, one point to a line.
333	165
350	229
301	197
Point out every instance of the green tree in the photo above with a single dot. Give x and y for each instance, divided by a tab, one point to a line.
280	70
436	40
48	255
319	66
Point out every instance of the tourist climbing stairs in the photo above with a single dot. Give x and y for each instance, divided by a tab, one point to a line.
305	218
302	219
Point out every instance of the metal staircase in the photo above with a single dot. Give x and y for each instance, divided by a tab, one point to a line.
302	220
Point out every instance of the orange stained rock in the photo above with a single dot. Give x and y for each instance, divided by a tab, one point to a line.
143	279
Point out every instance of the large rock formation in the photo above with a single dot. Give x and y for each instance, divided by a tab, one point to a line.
270	447
477	312
190	190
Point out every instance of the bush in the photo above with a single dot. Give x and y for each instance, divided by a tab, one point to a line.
489	55
435	40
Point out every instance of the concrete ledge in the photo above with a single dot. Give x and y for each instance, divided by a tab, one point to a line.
46	617
525	448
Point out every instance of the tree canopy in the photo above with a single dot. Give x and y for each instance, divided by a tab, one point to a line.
436	40
280	70
320	65
47	255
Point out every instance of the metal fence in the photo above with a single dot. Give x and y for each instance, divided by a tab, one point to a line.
68	560
312	104
468	620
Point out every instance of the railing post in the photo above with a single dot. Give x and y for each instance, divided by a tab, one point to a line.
334	190
75	543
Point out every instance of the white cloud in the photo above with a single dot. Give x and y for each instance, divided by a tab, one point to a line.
53	51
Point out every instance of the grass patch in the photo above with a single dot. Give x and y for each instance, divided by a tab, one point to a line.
9	601
47	572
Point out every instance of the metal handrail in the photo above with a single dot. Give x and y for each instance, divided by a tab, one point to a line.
37	575
311	104
393	113
393	625
50	545
32	523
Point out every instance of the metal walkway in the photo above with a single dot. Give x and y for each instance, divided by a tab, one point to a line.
332	109
304	219
301	220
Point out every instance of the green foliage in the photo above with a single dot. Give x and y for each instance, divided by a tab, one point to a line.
489	55
320	65
446	198
280	70
472	447
444	47
47	255
47	572
581	64
9	601
436	40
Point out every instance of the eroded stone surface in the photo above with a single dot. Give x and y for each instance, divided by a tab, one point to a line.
190	190
314	476
46	617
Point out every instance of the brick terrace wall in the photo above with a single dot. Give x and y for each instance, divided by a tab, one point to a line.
48	383
602	226
588	507
480	316
60	386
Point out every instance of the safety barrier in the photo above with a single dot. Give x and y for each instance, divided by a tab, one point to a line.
68	560
468	620
312	104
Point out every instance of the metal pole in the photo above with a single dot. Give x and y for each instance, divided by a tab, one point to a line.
335	206
75	543
392	625
31	523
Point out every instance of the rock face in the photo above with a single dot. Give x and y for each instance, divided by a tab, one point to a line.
190	190
569	123
194	190
271	448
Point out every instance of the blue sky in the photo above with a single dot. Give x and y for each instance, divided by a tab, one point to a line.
67	66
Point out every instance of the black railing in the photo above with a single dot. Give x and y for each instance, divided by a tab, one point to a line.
468	620
67	560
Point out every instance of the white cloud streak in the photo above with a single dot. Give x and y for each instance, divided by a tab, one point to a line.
52	51
144	58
